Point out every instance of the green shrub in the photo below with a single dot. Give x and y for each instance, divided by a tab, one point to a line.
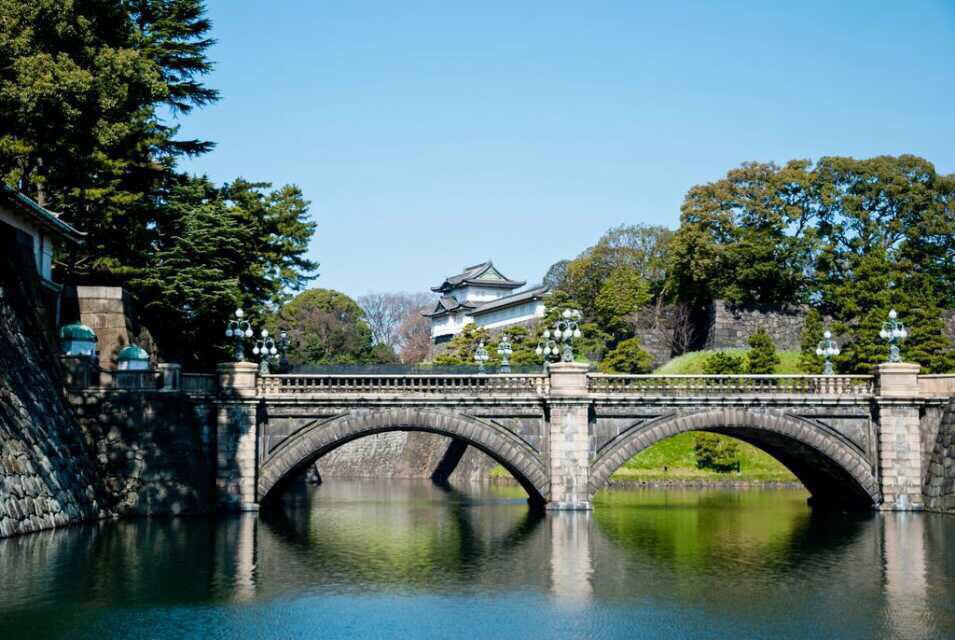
762	358
716	452
722	363
627	357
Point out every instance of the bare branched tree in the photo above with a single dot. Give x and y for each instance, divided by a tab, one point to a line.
415	337
387	312
668	325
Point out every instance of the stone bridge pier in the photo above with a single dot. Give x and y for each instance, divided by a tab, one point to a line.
854	441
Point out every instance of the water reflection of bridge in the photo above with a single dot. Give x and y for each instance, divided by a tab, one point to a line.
702	549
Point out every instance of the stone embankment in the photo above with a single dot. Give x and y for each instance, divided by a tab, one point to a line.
47	474
400	454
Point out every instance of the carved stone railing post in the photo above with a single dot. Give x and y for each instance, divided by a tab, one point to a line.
237	437
170	375
900	442
569	437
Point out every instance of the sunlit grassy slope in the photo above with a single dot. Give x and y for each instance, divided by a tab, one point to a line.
692	362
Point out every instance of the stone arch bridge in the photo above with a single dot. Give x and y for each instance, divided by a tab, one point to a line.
854	441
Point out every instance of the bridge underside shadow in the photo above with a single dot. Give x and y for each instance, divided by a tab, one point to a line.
835	473
295	455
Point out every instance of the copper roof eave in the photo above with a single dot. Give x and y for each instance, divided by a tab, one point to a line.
45	217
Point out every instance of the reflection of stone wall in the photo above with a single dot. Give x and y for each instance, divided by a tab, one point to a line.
401	454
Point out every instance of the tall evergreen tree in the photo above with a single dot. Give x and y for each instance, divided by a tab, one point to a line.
812	332
762	357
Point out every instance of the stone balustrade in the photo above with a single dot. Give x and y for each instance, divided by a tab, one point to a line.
937	386
292	384
199	384
731	384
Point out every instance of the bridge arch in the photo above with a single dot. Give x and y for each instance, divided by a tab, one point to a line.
314	441
832	470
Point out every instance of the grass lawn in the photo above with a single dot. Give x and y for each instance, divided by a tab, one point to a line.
673	459
690	363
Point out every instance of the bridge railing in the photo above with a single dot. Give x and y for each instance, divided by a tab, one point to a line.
202	384
937	385
731	384
295	384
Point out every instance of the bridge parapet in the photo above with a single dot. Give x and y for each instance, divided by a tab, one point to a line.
937	386
321	384
635	384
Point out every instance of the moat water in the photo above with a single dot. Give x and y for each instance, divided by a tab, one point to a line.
404	559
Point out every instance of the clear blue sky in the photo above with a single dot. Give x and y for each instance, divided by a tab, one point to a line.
430	135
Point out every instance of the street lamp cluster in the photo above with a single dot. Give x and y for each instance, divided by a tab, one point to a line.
894	332
565	330
827	349
266	347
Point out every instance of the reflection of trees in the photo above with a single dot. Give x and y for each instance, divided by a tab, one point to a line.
715	531
423	536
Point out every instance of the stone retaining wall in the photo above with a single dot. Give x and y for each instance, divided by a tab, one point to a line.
730	326
401	454
939	484
153	450
47	475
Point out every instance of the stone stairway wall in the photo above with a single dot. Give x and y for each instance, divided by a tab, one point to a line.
939	485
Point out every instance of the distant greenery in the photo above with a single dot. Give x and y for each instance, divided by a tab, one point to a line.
722	363
714	452
676	458
327	327
852	238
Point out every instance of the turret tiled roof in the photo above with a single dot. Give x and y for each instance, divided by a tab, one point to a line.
448	304
534	293
484	274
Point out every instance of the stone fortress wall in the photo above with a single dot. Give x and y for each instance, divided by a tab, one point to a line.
47	475
71	458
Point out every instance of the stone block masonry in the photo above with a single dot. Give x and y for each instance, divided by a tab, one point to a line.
109	312
47	475
154	451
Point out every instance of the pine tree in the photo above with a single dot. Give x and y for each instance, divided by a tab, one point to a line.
762	357
627	357
723	363
927	343
812	331
464	345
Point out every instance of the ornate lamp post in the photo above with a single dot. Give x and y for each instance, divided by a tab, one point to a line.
282	345
481	356
547	347
893	332
240	330
565	330
827	349
265	347
504	350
